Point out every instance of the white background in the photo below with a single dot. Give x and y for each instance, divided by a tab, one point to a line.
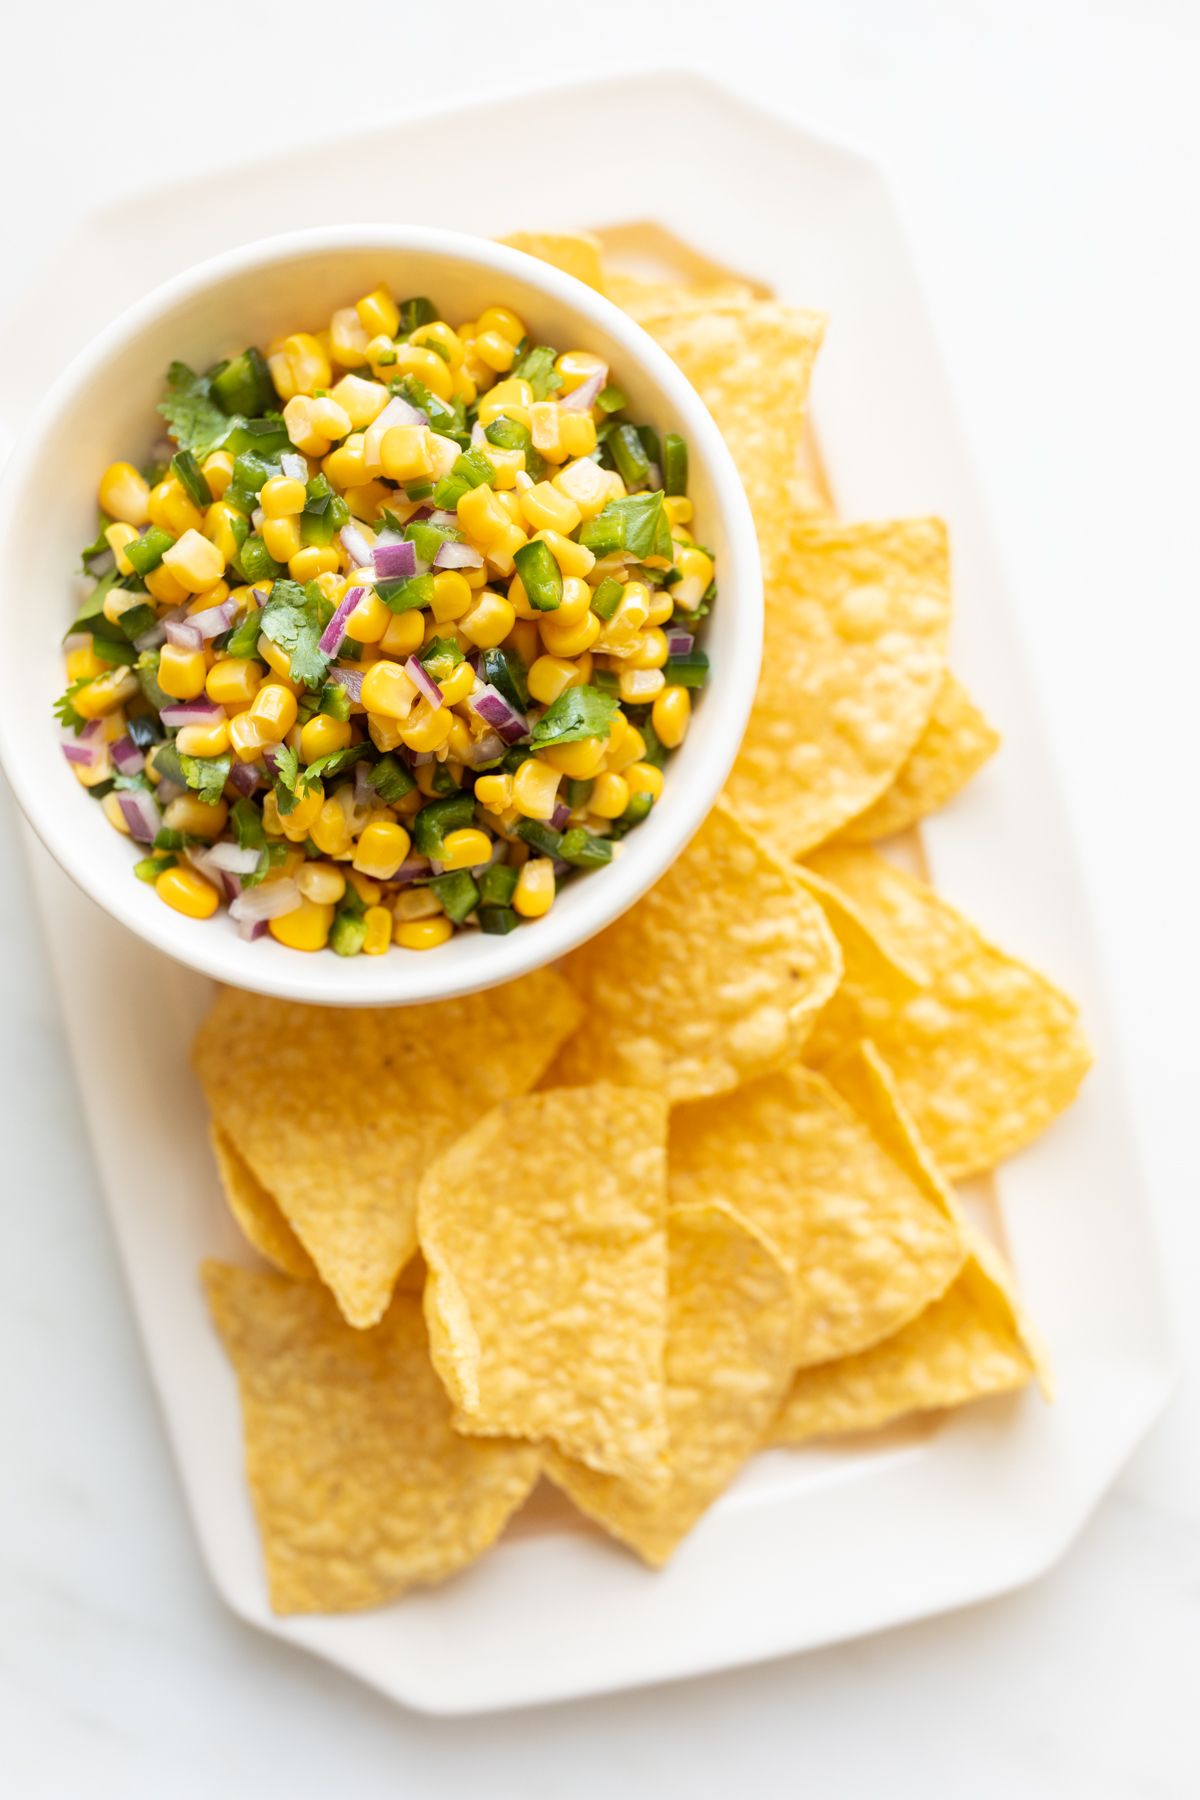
1046	158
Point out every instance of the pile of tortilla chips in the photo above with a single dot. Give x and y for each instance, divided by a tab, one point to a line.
627	1222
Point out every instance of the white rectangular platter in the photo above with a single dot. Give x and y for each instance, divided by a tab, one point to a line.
809	1547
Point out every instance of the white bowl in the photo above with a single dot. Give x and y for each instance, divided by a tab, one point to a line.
102	409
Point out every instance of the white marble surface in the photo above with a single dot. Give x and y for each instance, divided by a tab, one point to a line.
1046	160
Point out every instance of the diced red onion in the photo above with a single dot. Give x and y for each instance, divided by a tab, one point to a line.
270	900
101	563
486	749
335	631
168	790
214	619
162	449
294	466
260	596
364	793
140	812
445	521
560	817
679	642
152	637
452	555
249	929
88	756
270	756
180	631
489	704
245	777
233	858
583	398
421	757
350	679
395	561
413	870
355	545
423	681
127	758
191	712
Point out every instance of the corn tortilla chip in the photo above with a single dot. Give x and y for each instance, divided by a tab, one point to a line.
647	300
972	1341
986	1053
544	1231
866	1249
361	1485
715	976
728	1360
856	620
955	744
337	1112
257	1212
576	253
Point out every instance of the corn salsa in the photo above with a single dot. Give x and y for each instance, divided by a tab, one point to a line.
392	636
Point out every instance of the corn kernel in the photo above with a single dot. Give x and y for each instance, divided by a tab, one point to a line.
282	537
465	849
638	687
440	334
533	895
361	401
172	509
369	620
578	761
458	684
110	806
650	651
314	560
550	676
124	495
346	467
382	847
508	399
187	892
489	621
83	664
116	537
297	823
348	338
321	882
299	365
302	428
306	927
644	778
387	689
181	673
428	728
321	735
217	470
535	788
546	508
378	312
330	830
671	715
609	796
578	366
494	792
244	736
679	509
569	637
576	561
482	516
405	453
367	501
427	366
203	740
576	433
278	660
194	561
273	711
661	606
404	634
193	815
544	429
495	351
424	934
696	569
223	525
585	485
452	596
282	496
502	321
626	745
378	934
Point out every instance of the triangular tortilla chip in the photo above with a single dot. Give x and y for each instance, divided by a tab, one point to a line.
955	744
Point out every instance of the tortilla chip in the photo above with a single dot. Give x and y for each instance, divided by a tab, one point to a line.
544	1229
646	300
866	1248
955	744
576	253
751	364
986	1053
361	1486
714	977
337	1112
257	1211
855	623
728	1360
972	1341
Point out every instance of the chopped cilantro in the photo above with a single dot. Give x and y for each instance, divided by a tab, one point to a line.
193	418
64	709
537	368
206	775
580	712
247	824
294	618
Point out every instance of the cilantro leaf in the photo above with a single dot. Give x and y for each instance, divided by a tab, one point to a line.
335	763
537	368
193	417
99	547
206	775
64	710
247	824
294	618
580	712
644	522
287	773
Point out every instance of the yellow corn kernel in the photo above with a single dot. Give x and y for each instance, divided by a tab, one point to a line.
362	401
440	334
547	509
273	711
333	586
302	427
321	735
369	620
194	561
494	792
387	689
661	606
330	830
348	338
248	746
671	715
633	610
427	366
306	927
508	399
458	684
307	564
651	650
182	673
626	745
570	637
299	365
644	778
101	770
533	895
423	934
297	823
506	466
117	601
187	892
482	516
280	497
216	595
282	537
426	777
489	621
382	847
535	788
697	571
222	526
172	509
193	815
495	351
346	467
217	470
679	509
105	693
578	366
544	429
576	433
378	312
124	495
575	560
638	687
452	597
501	552
110	806
329	419
465	849
585	485
366	502
404	633
365	886
502	321
609	796
427	728
116	537
526	612
405	453
321	882
278	661
203	740
550	676
83	664
378	934
579	761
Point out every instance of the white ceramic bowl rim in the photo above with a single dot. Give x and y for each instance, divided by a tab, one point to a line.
470	962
